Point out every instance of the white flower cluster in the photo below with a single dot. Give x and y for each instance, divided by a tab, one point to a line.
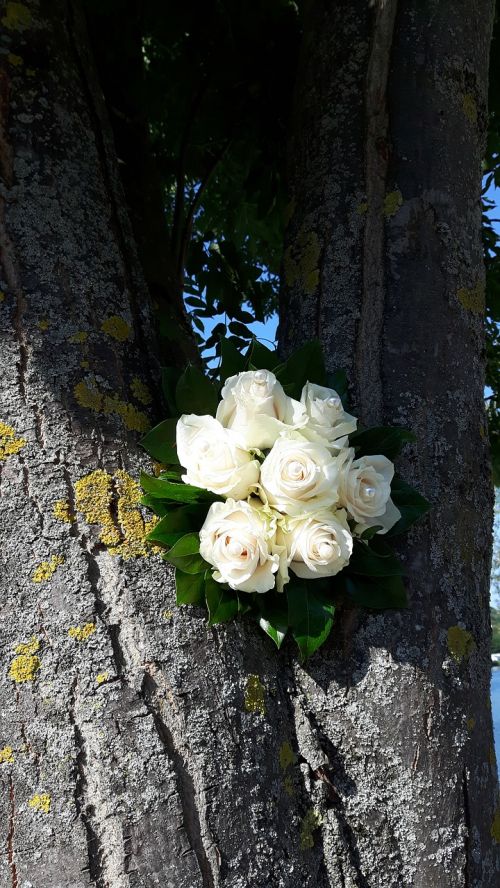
295	495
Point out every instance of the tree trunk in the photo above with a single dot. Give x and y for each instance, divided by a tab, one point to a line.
383	262
139	747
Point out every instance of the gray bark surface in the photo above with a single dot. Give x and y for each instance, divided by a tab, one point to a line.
139	747
384	264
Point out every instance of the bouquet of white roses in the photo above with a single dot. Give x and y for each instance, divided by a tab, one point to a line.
278	488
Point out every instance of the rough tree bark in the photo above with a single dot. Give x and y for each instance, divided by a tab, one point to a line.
384	263
138	747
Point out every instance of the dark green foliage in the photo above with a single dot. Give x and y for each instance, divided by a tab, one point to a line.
307	363
410	503
216	92
375	560
385	441
310	614
160	442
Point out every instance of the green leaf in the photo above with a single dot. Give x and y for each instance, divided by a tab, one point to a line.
261	358
190	588
409	502
161	488
185	554
222	602
375	593
310	616
160	442
233	361
368	562
305	365
371	531
273	615
385	441
176	524
240	329
157	506
169	379
196	393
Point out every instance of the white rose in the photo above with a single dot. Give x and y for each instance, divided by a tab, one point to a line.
365	491
319	545
213	459
328	420
299	476
256	407
237	539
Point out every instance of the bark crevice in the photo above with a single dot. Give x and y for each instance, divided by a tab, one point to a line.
185	783
83	804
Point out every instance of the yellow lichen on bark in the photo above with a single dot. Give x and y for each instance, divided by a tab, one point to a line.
460	642
24	667
133	419
392	202
287	756
311	821
255	695
40	802
95	496
117	327
62	511
28	647
9	444
469	107
132	524
301	262
90	397
102	677
140	391
46	569
78	337
472	299
17	17
82	633
7	756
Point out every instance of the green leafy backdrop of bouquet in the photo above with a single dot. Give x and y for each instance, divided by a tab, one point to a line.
271	500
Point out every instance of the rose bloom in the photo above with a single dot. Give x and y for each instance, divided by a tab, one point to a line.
237	538
365	491
328	422
213	459
256	407
318	545
299	476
